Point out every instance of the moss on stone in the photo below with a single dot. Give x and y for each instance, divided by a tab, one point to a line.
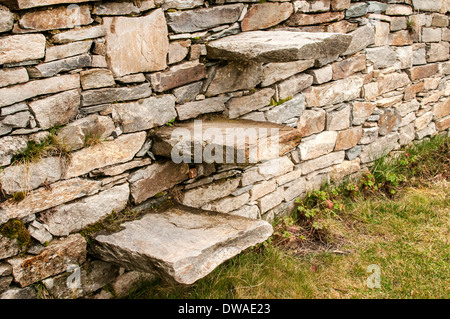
15	229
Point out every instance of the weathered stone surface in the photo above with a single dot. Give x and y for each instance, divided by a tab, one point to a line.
39	232
441	109
344	169
130	49
392	81
193	109
235	76
431	34
380	147
26	4
18	120
356	10
202	19
311	122
56	109
178	50
287	110
200	196
274	72
54	259
194	243
382	30
109	95
271	200
322	162
26	177
224	141
348	138
160	176
144	114
381	57
123	8
242	105
275	167
438	52
278	46
266	15
443	123
120	150
77	134
5	269
68	218
93	276
423	120
181	4
340	4
22	92
369	135
322	75
188	92
8	247
52	68
342	26
335	92
80	34
398	23
361	38
228	204
349	66
406	134
247	211
131	78
361	111
17	293
293	85
57	18
96	78
58	52
312	6
178	75
423	71
17	48
9	146
13	109
43	198
389	120
317	145
6	19
13	76
339	119
400	38
404	57
301	19
427	5
398	10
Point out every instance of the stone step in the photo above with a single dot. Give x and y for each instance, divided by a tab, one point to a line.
222	140
278	46
179	243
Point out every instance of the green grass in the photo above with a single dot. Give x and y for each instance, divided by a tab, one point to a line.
406	234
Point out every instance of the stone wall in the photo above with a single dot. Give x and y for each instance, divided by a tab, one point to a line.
93	79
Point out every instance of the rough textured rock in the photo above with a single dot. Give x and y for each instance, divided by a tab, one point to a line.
193	109
317	145
130	49
200	196
348	138
242	105
228	204
311	122
96	78
379	148
28	176
349	66
144	114
9	146
120	150
235	76
178	75
109	95
301	19
17	293
13	76
58	52
423	71
287	110
202	19
17	48
339	119
22	92
54	259
123	8
44	198
6	19
278	46
361	38
346	168
52	68
361	111
68	218
322	162
266	15
153	179
427	5
271	200
56	109
80	34
8	247
57	18
178	50
274	72
389	120
26	4
195	243
293	85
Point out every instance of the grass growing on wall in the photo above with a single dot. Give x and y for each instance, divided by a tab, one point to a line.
396	217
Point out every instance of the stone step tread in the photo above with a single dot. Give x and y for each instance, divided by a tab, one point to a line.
269	140
180	243
278	46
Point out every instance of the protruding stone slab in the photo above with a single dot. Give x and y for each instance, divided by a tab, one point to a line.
225	141
278	46
180	243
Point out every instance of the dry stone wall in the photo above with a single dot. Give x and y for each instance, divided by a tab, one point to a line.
95	78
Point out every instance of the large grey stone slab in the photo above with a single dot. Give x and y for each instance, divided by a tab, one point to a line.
180	243
224	141
278	46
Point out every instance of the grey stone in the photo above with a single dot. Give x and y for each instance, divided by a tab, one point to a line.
227	204
200	196
202	19
144	114
123	8
52	68
73	217
10	146
187	93
193	109
5	269
339	119
96	78
18	120
278	46
353	153
80	34
427	5
271	200
28	176
287	110
377	7
379	148
361	38
293	85
317	145
241	105
247	211
39	232
407	134
381	57
58	52
181	4
194	243
9	247
356	10
322	162
19	293
58	109
109	95
274	72
369	135
15	108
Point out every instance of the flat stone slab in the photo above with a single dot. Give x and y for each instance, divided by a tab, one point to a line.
180	243
278	46
221	140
